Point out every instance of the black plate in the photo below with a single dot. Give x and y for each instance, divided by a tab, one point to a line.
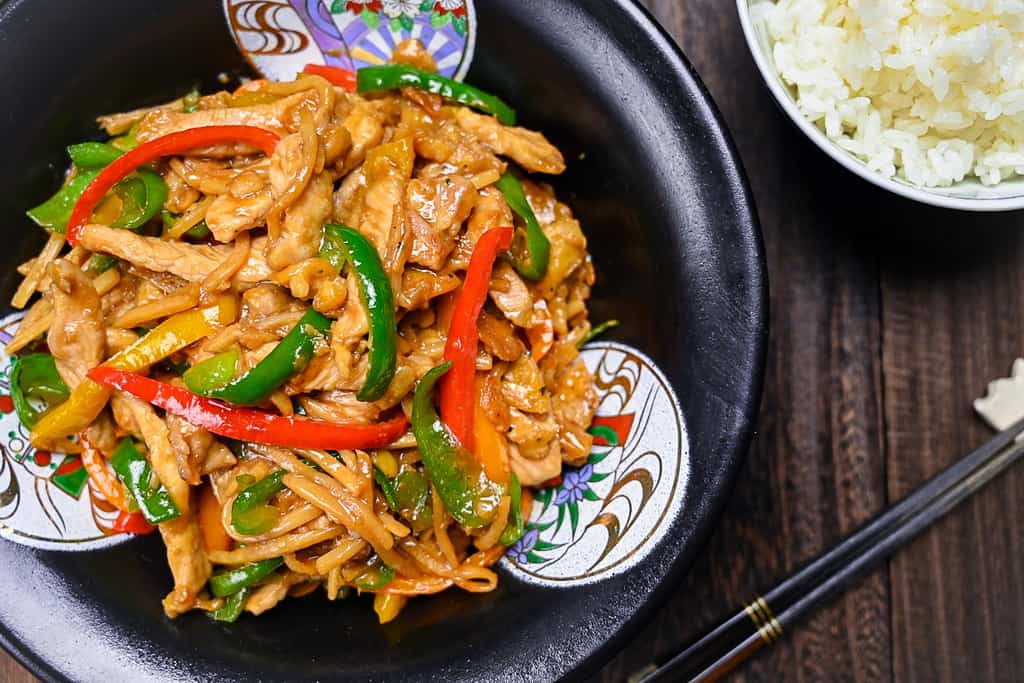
675	238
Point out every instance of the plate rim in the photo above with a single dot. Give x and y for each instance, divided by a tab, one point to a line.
678	67
757	268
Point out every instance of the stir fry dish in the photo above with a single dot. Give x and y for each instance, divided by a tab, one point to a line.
318	333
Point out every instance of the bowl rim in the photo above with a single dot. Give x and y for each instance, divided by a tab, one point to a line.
770	77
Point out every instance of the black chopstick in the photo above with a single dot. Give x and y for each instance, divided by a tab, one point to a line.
757	625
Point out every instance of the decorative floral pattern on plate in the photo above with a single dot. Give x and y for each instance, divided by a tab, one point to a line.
46	499
279	37
604	517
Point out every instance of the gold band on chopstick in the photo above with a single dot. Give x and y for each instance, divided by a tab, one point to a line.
767	625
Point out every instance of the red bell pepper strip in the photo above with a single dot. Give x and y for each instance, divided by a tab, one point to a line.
343	78
132	523
458	390
246	424
170	144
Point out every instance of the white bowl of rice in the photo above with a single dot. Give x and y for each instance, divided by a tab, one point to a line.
924	98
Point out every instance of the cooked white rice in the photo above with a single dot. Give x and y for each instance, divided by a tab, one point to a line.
930	90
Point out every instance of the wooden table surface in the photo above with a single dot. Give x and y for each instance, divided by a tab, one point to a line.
887	319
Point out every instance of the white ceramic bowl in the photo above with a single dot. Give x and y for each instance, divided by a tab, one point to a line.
969	195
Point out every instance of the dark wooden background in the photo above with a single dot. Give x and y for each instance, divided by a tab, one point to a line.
887	319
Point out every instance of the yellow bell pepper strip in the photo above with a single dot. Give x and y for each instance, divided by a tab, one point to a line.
468	494
388	605
397	76
246	424
343	245
531	249
88	398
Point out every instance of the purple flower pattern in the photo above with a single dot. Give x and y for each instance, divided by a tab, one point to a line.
575	485
521	551
574	489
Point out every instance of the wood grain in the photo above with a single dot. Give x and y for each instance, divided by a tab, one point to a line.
887	319
951	320
12	672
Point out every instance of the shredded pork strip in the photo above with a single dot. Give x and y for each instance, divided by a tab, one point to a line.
190	262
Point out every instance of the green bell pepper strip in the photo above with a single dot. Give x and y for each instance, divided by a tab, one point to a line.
136	474
386	487
100	263
233	607
343	245
597	332
245	480
309	463
249	514
531	249
463	486
199	231
375	578
514	530
190	102
412	494
238	450
128	141
35	377
55	212
231	581
212	373
89	156
142	196
255	386
396	76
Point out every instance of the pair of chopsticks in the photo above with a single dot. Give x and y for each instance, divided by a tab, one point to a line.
762	621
